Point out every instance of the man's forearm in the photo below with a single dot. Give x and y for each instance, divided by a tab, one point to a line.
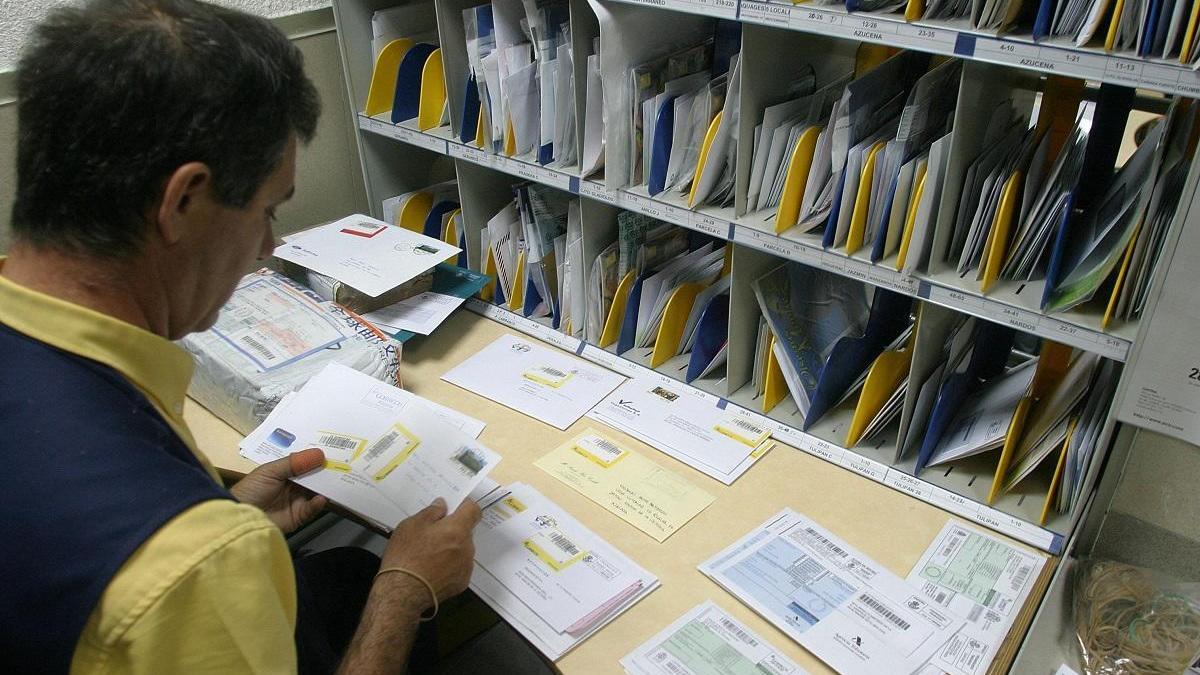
388	627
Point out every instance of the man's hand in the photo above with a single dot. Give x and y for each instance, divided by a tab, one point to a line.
269	487
436	546
432	544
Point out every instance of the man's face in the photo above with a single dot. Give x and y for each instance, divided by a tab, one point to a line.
221	252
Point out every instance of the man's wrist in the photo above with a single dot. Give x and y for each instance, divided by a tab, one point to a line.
402	592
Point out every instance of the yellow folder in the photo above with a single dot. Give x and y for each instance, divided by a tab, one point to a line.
870	55
727	263
888	371
1185	53
382	91
674	320
510	140
489	268
796	179
914	10
412	213
911	219
1052	365
708	139
996	248
1114	22
616	313
1056	481
862	202
480	130
776	387
516	299
433	92
1122	273
450	233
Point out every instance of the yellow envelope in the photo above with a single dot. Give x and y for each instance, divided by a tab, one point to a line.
776	387
382	92
796	179
516	301
1185	54
489	268
1122	273
862	202
674	320
708	139
412	213
911	219
616	313
450	234
1056	481
996	248
884	376
1052	365
635	489
1110	40
433	92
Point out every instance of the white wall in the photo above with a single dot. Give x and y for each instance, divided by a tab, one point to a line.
18	17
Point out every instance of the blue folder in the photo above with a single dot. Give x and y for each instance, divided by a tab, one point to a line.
408	82
712	332
629	323
992	345
660	152
433	221
852	356
451	280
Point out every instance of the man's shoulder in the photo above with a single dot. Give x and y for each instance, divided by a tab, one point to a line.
216	553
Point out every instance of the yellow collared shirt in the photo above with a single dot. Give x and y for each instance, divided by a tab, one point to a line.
213	590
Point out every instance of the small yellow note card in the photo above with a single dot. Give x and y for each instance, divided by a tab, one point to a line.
642	493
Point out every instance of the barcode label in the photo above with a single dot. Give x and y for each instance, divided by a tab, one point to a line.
676	668
747	425
606	445
973	615
339	442
380	446
736	630
1021	576
884	611
552	372
564	544
813	534
258	347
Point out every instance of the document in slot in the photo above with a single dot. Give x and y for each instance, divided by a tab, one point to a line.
387	257
550	576
843	607
686	425
542	382
653	499
983	578
389	453
708	641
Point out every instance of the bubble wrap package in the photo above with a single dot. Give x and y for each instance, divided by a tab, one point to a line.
271	337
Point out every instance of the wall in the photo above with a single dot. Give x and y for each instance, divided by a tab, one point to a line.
328	178
19	17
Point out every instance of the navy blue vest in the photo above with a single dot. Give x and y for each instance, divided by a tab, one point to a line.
88	471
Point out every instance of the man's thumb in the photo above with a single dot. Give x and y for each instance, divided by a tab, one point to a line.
300	463
435	511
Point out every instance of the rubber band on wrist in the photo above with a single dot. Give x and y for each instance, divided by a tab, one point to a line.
418	577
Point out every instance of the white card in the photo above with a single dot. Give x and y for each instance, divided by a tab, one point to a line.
541	382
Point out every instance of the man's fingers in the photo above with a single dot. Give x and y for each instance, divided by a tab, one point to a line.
300	463
435	511
467	514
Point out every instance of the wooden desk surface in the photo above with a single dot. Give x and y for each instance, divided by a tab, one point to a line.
882	523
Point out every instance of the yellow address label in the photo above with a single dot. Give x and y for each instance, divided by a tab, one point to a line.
548	375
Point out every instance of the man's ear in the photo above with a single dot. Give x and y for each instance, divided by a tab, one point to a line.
185	198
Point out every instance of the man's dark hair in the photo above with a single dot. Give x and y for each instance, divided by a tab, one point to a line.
115	95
